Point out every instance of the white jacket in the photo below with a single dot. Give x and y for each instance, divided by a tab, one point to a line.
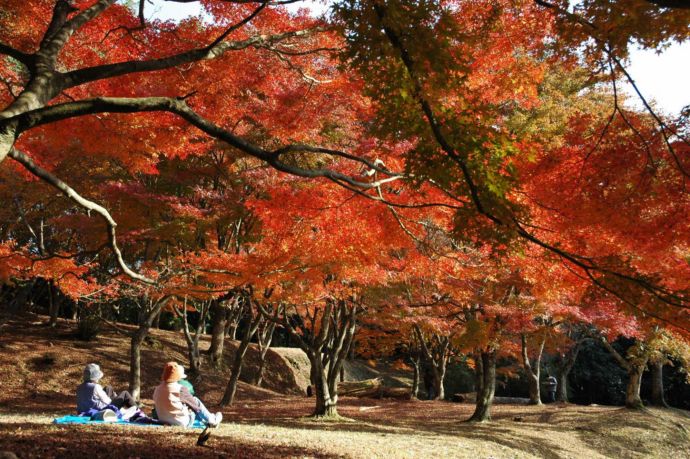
169	406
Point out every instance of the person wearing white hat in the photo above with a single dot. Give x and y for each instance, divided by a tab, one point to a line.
91	396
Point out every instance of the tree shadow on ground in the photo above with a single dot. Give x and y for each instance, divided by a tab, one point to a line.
32	440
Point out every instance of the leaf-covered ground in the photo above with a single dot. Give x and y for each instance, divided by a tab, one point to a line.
39	368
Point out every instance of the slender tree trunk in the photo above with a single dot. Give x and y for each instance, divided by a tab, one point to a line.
135	362
231	389
157	320
231	332
193	340
658	398
260	372
439	376
632	395
264	341
415	378
53	306
145	320
533	370
485	396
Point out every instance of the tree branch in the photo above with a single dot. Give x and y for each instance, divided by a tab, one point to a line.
67	110
215	50
24	58
68	191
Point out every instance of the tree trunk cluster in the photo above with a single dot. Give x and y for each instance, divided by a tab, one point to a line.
433	354
326	336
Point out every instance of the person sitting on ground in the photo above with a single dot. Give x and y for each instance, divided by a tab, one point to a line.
175	405
92	397
186	386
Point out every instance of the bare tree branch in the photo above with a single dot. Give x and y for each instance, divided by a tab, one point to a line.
68	191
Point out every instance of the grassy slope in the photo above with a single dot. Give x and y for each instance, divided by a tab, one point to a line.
40	367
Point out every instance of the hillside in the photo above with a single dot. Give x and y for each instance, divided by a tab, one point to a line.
40	367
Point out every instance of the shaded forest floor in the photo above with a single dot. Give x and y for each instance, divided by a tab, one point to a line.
40	367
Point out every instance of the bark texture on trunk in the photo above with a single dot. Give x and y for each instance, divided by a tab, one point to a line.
135	362
218	324
326	398
147	312
434	352
485	396
415	378
634	365
326	336
658	398
265	336
632	393
533	369
193	352
563	368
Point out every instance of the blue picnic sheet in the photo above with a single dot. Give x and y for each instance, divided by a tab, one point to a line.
75	419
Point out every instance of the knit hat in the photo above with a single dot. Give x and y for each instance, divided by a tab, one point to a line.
92	373
173	372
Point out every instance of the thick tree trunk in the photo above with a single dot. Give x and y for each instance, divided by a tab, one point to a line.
534	392
485	396
632	395
658	398
439	376
326	402
562	390
564	367
194	358
219	317
478	374
635	367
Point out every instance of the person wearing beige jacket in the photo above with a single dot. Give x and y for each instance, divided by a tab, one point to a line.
175	405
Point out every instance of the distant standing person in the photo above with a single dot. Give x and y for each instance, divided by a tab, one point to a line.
175	405
551	384
91	396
